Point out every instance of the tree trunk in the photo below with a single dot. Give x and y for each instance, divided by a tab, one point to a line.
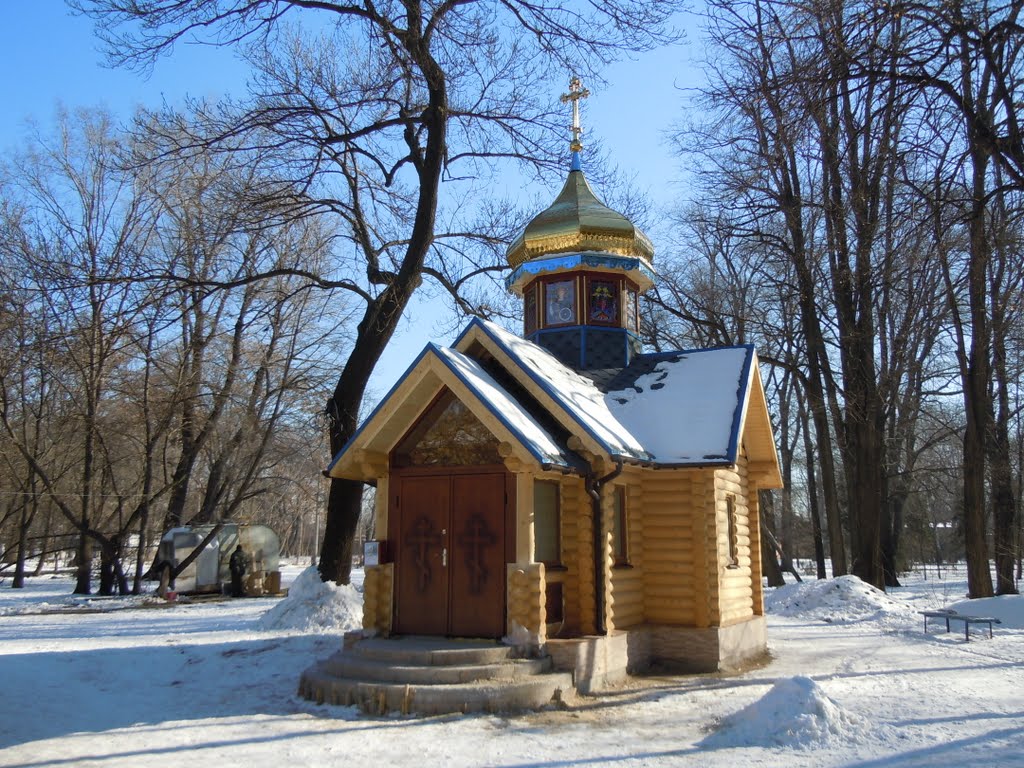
1004	510
383	313
769	556
895	501
18	582
83	565
812	492
977	401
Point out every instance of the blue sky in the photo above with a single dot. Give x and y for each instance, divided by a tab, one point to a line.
50	57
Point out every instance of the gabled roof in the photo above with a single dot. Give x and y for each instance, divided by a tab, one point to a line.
559	387
694	408
434	369
677	409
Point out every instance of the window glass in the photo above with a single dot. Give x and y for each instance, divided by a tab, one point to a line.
546	538
530	311
620	528
447	435
560	303
604	301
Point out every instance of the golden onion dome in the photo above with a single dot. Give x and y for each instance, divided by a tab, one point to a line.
578	221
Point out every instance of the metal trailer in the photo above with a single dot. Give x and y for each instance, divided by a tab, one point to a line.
210	571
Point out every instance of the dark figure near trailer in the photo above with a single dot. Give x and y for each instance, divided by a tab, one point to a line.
237	565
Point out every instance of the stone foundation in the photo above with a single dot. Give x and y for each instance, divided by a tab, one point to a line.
598	662
710	649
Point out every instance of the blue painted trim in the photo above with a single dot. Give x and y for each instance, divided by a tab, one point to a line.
742	394
575	164
380	405
545	264
475	322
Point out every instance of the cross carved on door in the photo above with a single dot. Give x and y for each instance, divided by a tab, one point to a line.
475	538
420	540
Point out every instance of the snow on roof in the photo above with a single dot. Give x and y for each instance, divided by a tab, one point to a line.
508	410
685	411
496	398
575	393
670	409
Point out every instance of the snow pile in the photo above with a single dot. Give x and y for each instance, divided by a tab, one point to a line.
315	605
840	600
794	713
1009	609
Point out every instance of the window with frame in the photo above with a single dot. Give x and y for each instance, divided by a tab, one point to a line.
547	538
620	527
560	302
734	542
602	302
448	434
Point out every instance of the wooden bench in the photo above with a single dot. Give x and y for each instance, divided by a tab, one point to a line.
951	615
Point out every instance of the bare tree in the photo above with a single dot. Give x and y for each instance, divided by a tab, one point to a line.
368	109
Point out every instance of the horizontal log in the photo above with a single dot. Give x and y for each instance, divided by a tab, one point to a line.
683	588
681	618
735	616
668	597
666	507
667	510
628	591
658	530
627	585
628	620
743	605
737	588
668	567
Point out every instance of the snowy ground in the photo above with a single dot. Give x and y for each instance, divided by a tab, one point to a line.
854	681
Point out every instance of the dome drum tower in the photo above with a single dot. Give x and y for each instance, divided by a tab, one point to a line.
580	268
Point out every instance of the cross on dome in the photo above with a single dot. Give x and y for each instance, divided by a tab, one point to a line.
576	92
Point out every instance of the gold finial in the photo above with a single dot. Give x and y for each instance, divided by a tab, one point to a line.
576	92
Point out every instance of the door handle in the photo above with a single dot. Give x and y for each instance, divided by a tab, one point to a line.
444	557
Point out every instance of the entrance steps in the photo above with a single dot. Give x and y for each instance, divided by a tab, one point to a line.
433	676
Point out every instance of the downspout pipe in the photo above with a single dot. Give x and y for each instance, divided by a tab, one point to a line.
594	485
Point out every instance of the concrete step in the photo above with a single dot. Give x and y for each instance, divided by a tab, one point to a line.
433	675
358	667
431	651
319	684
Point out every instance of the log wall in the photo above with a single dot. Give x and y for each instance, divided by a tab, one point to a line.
735	574
378	597
577	546
625	596
669	562
526	610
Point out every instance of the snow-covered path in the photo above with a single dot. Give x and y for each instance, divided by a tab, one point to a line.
854	681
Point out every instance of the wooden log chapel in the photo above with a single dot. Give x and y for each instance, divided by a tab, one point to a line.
563	490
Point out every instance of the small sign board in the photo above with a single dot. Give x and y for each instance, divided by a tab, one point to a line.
371	553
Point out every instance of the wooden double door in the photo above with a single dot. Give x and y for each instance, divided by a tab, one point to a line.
449	533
